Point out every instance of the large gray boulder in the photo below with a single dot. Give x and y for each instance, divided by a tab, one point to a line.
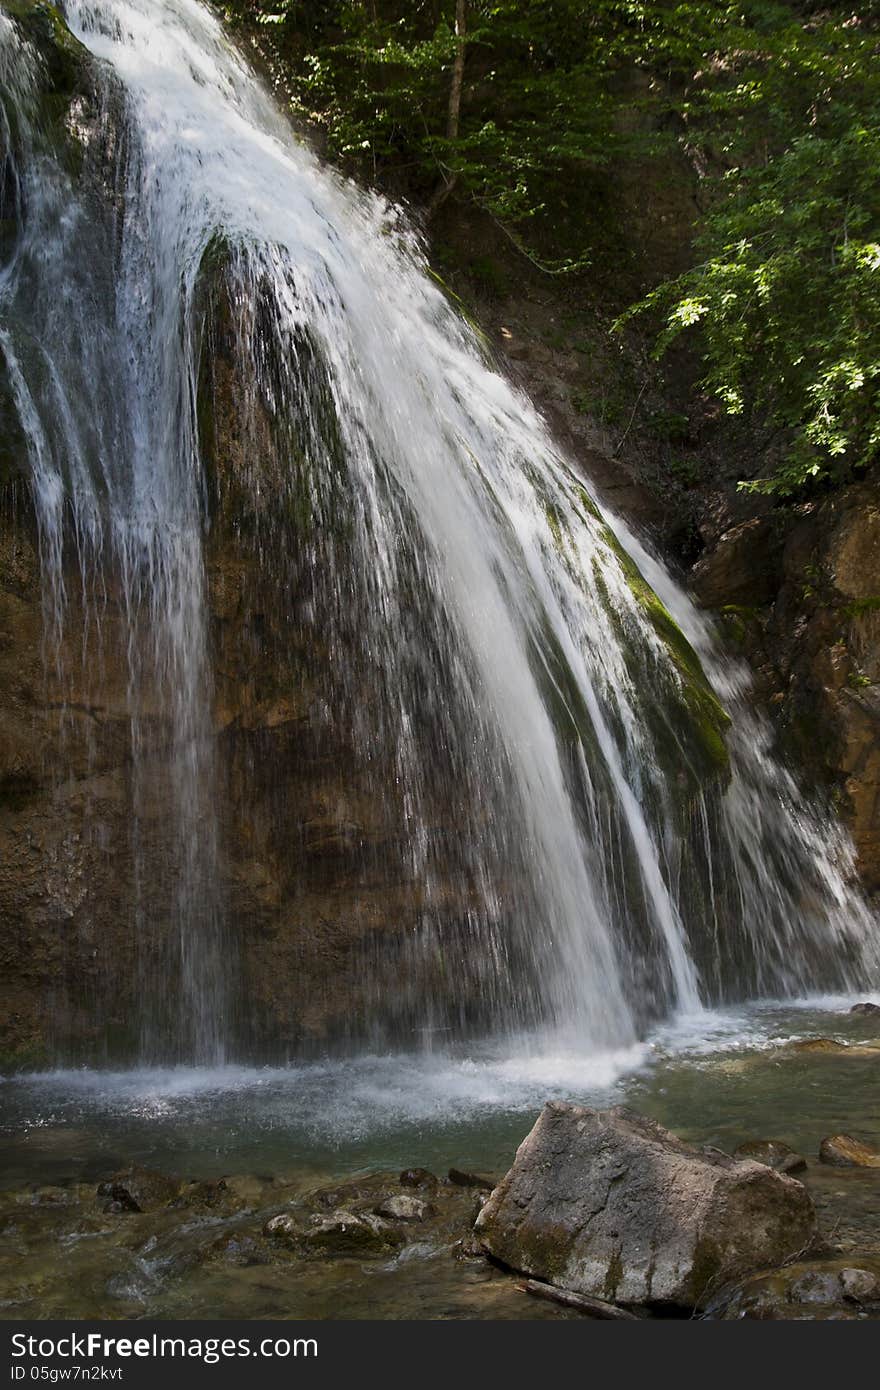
610	1204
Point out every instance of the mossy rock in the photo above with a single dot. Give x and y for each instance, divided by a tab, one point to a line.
295	453
44	26
13	443
737	620
710	721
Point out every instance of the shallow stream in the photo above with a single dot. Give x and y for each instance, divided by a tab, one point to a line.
287	1134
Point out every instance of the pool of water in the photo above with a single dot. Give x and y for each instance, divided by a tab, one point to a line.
719	1078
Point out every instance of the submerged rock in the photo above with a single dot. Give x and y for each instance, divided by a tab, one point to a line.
237	1249
419	1177
610	1204
139	1189
829	1047
817	1045
843	1151
460	1179
772	1152
808	1289
404	1208
866	1010
207	1195
344	1233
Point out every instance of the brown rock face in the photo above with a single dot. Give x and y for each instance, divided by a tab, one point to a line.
322	898
610	1204
798	591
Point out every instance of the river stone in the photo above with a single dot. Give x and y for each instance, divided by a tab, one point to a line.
282	1227
140	1189
843	1151
772	1152
839	1288
420	1178
344	1233
865	1009
610	1204
404	1207
460	1179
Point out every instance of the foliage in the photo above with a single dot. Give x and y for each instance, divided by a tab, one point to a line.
786	292
545	97
777	104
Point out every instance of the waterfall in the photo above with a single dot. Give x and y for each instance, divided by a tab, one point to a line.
214	330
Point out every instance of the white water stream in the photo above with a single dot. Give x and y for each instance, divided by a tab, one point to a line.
491	601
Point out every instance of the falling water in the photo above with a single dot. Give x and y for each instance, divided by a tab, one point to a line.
483	630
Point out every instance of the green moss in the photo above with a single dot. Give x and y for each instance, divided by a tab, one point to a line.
710	719
588	504
736	618
65	57
461	308
860	607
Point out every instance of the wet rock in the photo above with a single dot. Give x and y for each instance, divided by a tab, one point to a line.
116	1207
206	1195
344	1233
831	1048
468	1248
246	1190
460	1179
282	1227
610	1204
817	1045
772	1152
843	1151
140	1189
745	567
404	1208
420	1178
815	1288
49	1197
866	1010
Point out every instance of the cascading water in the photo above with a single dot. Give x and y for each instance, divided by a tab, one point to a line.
536	721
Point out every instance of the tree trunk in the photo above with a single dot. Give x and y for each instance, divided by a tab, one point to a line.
457	69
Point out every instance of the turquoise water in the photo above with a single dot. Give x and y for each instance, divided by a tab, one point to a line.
718	1077
281	1135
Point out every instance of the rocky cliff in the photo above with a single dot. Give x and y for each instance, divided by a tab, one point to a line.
323	898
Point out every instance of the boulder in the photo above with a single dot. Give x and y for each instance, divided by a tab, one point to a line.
843	1151
866	1010
772	1152
611	1205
